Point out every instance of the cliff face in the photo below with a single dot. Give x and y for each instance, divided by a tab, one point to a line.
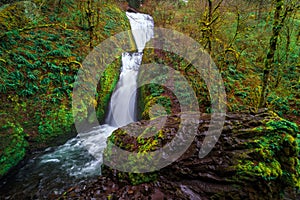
256	157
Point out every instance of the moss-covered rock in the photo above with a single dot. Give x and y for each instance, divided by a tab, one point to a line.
107	83
274	155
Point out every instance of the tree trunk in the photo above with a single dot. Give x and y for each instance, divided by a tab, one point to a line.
89	13
209	36
269	61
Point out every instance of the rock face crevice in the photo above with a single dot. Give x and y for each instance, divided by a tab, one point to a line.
256	157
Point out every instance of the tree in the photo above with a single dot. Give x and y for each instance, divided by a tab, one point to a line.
210	18
281	11
90	19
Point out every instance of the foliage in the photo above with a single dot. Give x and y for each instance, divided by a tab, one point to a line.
40	58
13	16
56	122
136	179
240	37
13	144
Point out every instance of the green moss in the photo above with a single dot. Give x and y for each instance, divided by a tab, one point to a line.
136	179
268	171
148	145
56	123
146	142
283	125
149	101
107	84
274	155
12	144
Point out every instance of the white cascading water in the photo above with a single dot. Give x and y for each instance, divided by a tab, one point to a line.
82	155
123	101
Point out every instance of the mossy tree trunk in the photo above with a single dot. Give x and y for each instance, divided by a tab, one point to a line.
209	35
90	15
281	12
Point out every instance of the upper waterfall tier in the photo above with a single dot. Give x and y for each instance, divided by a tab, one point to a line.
142	27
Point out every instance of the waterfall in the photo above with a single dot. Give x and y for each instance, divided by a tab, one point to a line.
122	109
82	156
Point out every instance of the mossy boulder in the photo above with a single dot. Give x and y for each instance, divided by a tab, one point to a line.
106	86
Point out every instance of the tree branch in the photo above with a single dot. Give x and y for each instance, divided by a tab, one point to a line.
38	26
217	6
